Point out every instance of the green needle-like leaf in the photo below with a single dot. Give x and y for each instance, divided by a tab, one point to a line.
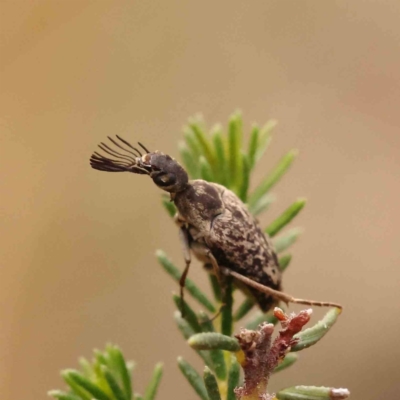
244	308
234	144
289	360
192	143
183	325
220	154
244	185
226	312
212	341
253	145
205	322
284	241
259	319
169	206
284	261
121	368
193	378
189	315
217	356
187	332
211	385
87	385
215	287
312	393
205	146
87	369
233	379
60	395
285	217
312	335
206	172
265	138
152	388
189	161
273	177
262	204
113	384
77	389
190	286
100	358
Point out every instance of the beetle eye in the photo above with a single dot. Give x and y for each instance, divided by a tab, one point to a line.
165	179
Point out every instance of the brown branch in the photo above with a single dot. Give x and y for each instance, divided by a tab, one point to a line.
260	358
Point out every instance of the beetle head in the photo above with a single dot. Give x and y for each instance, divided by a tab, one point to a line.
166	172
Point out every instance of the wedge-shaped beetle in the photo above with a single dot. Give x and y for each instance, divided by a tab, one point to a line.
213	223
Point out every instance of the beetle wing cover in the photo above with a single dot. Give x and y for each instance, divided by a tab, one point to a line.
238	243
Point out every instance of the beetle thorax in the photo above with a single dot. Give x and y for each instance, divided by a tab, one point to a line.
199	204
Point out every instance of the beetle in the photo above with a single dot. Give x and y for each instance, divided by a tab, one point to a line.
214	224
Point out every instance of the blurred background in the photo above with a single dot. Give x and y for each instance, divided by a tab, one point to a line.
77	260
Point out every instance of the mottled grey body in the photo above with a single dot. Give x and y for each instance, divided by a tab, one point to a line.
217	220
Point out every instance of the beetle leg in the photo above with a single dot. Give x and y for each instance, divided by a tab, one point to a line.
216	268
184	238
286	298
179	220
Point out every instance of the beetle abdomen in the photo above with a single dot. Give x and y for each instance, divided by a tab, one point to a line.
238	243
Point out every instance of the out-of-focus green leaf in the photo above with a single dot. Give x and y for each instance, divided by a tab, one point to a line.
253	145
284	261
193	378
273	177
190	286
206	172
312	393
244	185
217	356
226	312
190	163
220	153
244	308
188	314
215	287
87	369
192	143
265	138
60	395
169	206
152	388
85	384
233	379
77	389
121	368
262	204
312	335
117	392
187	332
211	385
212	341
234	145
205	146
285	217
286	239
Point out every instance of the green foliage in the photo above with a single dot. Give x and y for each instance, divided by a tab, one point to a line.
107	377
312	393
312	335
